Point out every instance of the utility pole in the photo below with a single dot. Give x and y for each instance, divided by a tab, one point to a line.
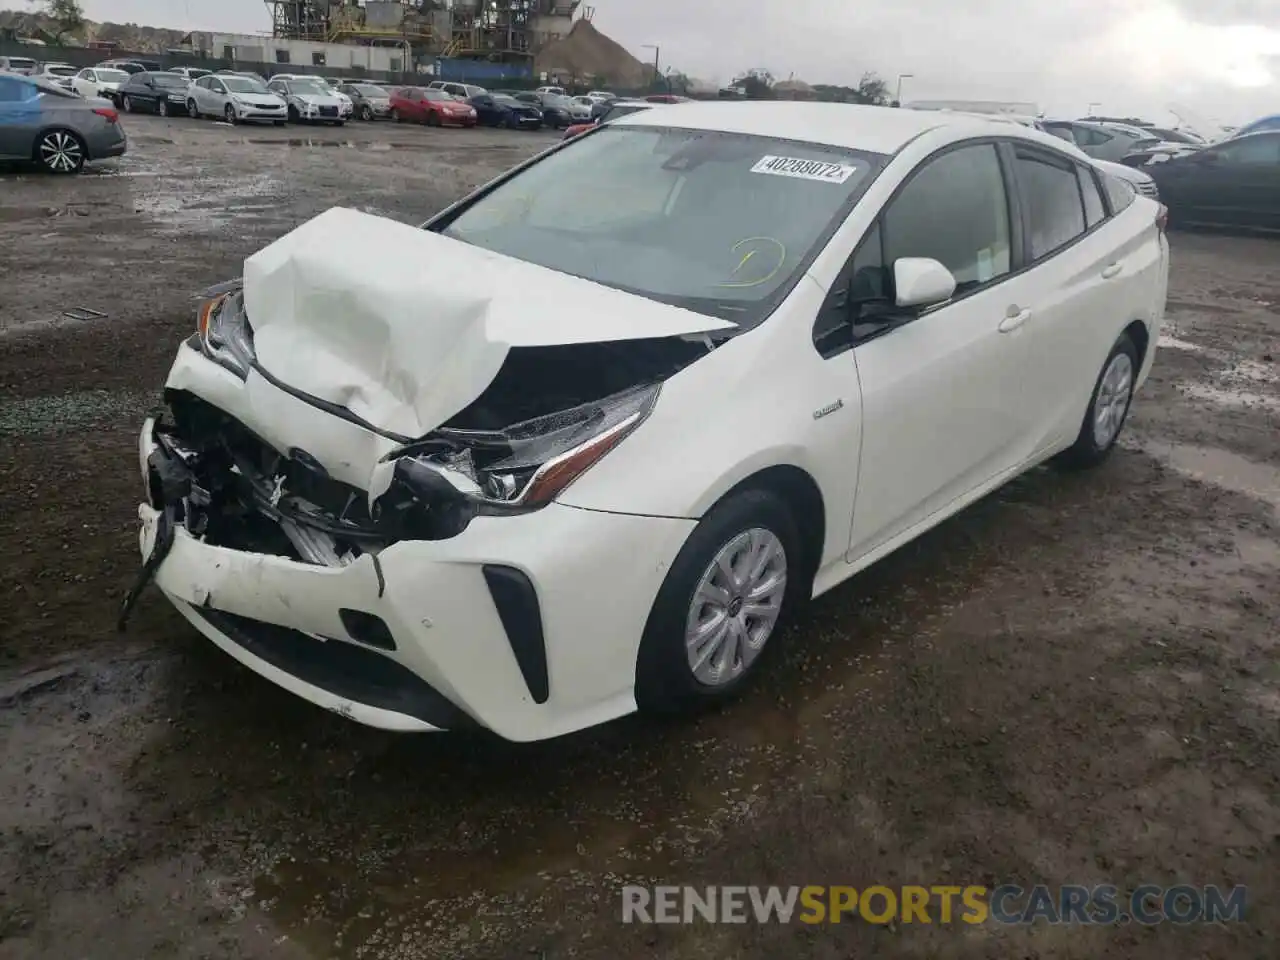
657	50
902	76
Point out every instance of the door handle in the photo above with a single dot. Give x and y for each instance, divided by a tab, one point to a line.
1014	319
1111	270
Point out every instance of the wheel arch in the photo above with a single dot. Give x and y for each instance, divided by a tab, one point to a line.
797	488
1140	334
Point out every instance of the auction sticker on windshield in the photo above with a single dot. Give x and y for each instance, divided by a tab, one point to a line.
805	169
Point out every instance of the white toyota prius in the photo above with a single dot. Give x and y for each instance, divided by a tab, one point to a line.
573	448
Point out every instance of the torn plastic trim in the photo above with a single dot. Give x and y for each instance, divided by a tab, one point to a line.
520	468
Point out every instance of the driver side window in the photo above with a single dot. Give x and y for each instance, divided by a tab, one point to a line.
954	210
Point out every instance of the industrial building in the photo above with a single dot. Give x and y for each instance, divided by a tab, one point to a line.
394	36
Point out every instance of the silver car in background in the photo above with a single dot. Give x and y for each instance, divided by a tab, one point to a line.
57	128
235	99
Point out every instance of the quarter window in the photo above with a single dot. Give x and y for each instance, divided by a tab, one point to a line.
1094	212
955	211
1119	193
1055	211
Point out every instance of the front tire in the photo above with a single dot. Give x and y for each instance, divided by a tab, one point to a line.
719	605
1108	408
366	113
432	119
193	111
162	108
230	114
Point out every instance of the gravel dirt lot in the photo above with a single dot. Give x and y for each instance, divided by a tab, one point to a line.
1076	680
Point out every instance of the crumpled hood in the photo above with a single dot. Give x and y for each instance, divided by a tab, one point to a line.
405	328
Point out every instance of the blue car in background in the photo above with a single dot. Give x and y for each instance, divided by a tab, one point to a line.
1259	126
55	127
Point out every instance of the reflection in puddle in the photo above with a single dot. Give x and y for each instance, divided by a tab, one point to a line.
1221	469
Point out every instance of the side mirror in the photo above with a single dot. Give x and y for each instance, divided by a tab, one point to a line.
921	282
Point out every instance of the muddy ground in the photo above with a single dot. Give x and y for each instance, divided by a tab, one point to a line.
1074	681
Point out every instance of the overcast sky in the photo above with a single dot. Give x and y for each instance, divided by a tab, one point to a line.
1219	58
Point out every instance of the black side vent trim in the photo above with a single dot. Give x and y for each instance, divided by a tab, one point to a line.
517	604
367	628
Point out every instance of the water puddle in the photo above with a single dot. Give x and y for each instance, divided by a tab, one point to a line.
213	204
1221	469
373	146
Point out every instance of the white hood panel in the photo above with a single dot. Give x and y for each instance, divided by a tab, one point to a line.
405	328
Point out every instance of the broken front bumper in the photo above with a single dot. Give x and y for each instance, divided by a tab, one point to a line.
528	625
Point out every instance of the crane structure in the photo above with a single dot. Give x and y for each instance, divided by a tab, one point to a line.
366	22
508	31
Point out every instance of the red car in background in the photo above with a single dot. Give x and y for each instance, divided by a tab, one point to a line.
619	108
435	108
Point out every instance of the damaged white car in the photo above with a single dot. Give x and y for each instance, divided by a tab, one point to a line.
577	444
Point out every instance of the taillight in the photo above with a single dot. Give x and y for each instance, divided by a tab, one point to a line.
1162	218
110	113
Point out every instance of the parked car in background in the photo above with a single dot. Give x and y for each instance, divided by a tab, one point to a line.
433	107
468	429
56	127
580	109
235	100
59	74
99	82
557	110
128	66
372	102
463	91
614	110
1262	125
1105	142
162	93
191	73
601	95
500	110
558	91
1233	183
667	98
308	100
346	106
22	66
1174	135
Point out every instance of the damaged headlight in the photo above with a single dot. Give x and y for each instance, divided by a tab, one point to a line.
451	476
225	334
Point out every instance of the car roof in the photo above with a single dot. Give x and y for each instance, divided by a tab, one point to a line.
851	126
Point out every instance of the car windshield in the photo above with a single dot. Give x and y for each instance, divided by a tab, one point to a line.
437	95
312	87
506	101
20	63
555	100
112	76
369	90
244	85
714	222
170	81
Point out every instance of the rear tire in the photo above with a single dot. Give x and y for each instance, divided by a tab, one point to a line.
1108	408
713	581
127	101
61	152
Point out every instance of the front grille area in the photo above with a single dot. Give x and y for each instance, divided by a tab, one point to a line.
340	668
328	111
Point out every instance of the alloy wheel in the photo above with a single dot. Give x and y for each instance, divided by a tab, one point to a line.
61	152
1114	393
735	607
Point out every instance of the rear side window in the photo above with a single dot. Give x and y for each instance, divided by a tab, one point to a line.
1119	193
1051	193
1094	211
955	211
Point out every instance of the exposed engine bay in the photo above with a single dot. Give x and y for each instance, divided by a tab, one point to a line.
549	414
